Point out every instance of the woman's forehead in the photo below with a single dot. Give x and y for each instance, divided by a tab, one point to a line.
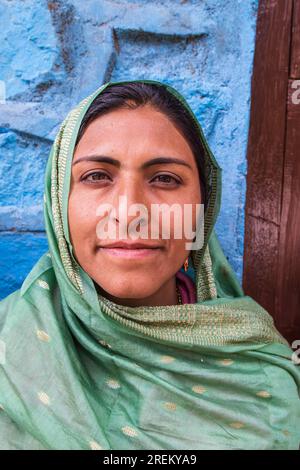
141	132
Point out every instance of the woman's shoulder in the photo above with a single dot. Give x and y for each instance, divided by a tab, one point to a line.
38	289
7	303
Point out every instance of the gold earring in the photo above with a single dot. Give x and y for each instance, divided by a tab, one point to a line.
186	264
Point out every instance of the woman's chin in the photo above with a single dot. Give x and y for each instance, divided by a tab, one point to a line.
135	291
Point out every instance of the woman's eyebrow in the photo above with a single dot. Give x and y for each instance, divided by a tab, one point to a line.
97	158
168	160
113	161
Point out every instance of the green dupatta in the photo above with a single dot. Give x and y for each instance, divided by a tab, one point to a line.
82	372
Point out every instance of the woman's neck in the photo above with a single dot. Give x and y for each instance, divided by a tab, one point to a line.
166	295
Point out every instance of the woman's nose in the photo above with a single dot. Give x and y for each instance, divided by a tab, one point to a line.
130	201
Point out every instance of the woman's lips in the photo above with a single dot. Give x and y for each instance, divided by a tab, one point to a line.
130	252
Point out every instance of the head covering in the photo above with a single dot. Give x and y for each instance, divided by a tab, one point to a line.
82	372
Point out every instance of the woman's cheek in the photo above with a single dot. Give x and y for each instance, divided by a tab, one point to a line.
82	216
85	208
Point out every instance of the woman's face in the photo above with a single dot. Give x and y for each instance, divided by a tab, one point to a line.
131	139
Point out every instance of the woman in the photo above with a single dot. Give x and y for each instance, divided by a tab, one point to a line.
112	349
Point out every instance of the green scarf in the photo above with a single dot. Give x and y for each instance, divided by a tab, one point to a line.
82	372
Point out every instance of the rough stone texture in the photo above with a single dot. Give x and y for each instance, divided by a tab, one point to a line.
19	251
54	53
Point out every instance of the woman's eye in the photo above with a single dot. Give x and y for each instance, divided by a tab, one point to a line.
167	179
95	177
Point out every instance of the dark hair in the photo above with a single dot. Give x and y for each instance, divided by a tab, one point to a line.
133	95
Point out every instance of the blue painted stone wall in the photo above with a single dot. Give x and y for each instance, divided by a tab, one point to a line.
54	53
